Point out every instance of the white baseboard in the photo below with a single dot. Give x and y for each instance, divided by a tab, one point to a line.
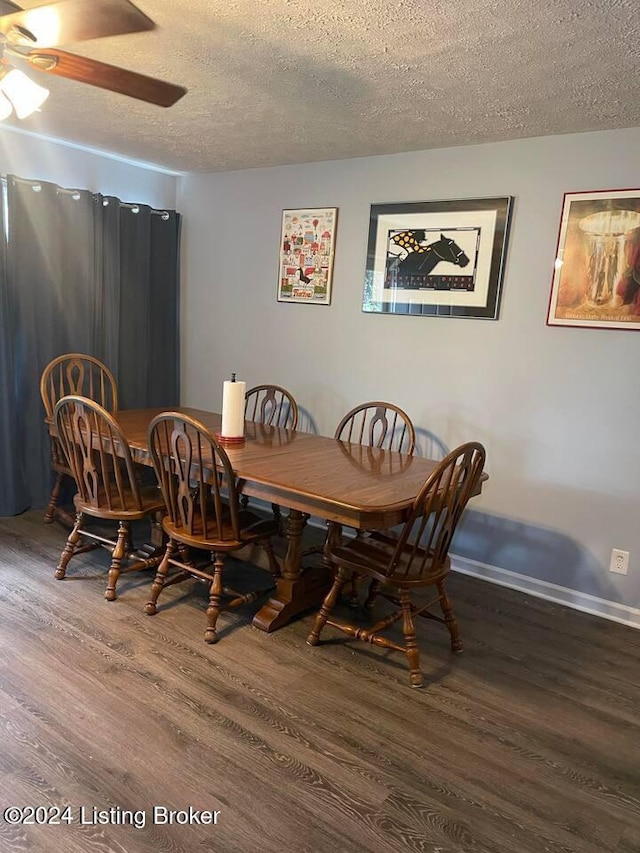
541	589
551	592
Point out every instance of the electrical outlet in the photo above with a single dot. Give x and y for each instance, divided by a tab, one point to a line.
619	562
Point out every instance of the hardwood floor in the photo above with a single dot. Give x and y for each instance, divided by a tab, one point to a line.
528	742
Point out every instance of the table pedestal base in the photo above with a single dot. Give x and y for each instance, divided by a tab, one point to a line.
293	596
299	588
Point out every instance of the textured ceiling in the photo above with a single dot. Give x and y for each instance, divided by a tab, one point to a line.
293	81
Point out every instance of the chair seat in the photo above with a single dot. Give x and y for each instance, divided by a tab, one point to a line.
371	555
251	528
151	501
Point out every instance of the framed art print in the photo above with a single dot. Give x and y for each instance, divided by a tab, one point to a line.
307	245
437	258
596	280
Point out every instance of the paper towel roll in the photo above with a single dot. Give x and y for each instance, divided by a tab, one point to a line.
233	409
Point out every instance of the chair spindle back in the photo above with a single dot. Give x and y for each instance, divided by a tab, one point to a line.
82	375
423	545
378	424
195	476
272	405
98	455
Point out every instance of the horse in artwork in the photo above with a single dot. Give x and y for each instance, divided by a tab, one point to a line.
409	254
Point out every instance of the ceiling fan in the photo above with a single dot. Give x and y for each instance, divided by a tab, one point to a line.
30	37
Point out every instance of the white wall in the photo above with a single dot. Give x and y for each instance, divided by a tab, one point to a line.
75	168
557	408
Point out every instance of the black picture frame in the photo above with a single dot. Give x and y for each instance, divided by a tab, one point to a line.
437	258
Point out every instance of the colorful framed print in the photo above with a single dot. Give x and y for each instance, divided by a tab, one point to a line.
596	281
307	246
437	258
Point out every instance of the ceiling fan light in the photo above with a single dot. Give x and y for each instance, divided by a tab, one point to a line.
20	35
5	107
41	26
25	95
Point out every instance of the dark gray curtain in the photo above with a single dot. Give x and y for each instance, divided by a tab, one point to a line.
14	496
144	286
84	273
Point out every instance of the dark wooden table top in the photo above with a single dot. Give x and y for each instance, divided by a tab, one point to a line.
345	484
351	484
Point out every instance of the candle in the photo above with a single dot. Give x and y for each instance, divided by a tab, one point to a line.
233	408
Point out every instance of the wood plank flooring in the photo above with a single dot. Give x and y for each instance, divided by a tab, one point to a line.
528	742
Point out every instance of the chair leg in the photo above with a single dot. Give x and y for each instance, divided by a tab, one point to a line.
277	515
274	565
354	594
53	499
450	619
69	548
327	606
161	574
374	586
185	555
117	555
215	598
410	641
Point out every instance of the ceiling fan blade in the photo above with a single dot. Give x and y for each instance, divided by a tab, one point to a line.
7	7
105	76
73	20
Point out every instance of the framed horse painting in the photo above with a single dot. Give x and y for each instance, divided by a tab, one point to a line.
437	258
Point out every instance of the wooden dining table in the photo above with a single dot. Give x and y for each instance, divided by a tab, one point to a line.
365	488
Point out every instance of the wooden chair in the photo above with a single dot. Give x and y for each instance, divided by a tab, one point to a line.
273	406
378	425
99	460
417	557
73	373
200	494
